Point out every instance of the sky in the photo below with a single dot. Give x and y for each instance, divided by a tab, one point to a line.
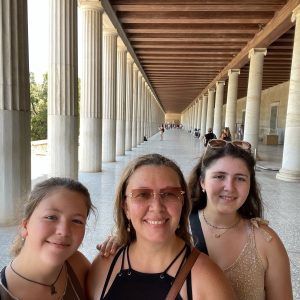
38	32
38	26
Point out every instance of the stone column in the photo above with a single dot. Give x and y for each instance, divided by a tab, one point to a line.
230	115
203	115
138	109
63	90
254	96
134	104
199	114
90	145
121	97
128	118
210	109
290	170
15	154
109	93
218	108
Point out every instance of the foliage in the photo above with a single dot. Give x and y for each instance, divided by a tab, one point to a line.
38	100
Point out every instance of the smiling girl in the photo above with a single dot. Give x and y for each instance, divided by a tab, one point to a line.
226	223
46	262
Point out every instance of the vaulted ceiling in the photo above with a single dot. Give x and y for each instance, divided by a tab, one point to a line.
184	47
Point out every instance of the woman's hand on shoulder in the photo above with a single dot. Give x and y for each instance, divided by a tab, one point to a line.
209	282
109	246
278	276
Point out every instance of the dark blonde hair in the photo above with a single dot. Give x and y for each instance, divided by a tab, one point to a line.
125	237
253	205
40	191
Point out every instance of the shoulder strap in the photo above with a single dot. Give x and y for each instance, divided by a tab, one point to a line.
197	232
111	270
180	278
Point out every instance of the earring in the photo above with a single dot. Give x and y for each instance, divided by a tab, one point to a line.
128	226
203	190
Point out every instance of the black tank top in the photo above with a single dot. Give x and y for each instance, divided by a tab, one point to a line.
133	285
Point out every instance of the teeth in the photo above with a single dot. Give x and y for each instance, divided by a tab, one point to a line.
156	222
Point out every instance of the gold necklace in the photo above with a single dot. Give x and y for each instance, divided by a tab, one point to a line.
218	235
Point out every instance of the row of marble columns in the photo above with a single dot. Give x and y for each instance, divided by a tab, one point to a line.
117	106
206	112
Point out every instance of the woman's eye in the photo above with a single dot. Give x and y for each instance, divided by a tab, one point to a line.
220	176
51	217
77	221
241	179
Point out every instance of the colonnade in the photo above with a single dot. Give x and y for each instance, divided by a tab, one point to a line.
117	105
212	101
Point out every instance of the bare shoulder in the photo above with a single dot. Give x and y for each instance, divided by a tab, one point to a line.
208	280
97	275
80	266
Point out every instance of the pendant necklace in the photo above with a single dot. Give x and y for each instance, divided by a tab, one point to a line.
218	235
51	286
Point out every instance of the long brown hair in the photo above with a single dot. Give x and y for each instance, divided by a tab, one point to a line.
125	237
253	205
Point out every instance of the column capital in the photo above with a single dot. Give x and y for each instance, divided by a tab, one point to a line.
220	83
256	51
212	90
232	71
108	27
129	58
204	96
296	13
90	5
135	67
120	45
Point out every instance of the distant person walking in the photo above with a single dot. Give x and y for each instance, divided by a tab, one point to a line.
161	131
209	136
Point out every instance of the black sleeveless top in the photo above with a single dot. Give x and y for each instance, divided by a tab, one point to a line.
134	285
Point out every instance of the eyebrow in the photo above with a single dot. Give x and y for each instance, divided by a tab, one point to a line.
59	211
236	174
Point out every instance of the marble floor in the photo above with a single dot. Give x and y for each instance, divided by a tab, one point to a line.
281	199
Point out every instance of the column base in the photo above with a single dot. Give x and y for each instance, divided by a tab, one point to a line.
288	175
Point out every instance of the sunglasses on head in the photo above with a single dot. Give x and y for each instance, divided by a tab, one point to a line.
217	143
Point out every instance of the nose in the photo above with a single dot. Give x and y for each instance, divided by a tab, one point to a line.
63	228
156	202
229	184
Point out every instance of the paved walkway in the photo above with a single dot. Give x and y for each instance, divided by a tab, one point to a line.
281	198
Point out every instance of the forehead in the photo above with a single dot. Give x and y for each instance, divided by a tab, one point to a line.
147	176
64	199
229	164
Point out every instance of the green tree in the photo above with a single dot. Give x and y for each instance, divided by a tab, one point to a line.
38	100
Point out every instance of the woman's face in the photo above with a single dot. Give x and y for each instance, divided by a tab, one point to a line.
155	217
227	184
56	227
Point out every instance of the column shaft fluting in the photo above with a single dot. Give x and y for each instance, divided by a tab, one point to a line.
290	170
63	90
121	99
90	145
230	115
210	109
203	115
109	95
218	108
134	105
15	154
254	96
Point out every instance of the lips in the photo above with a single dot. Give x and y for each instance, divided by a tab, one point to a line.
156	222
227	198
59	244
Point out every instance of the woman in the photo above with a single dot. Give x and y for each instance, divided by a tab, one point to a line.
151	212
226	135
47	264
226	223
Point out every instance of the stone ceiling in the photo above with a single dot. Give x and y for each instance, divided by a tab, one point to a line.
184	47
